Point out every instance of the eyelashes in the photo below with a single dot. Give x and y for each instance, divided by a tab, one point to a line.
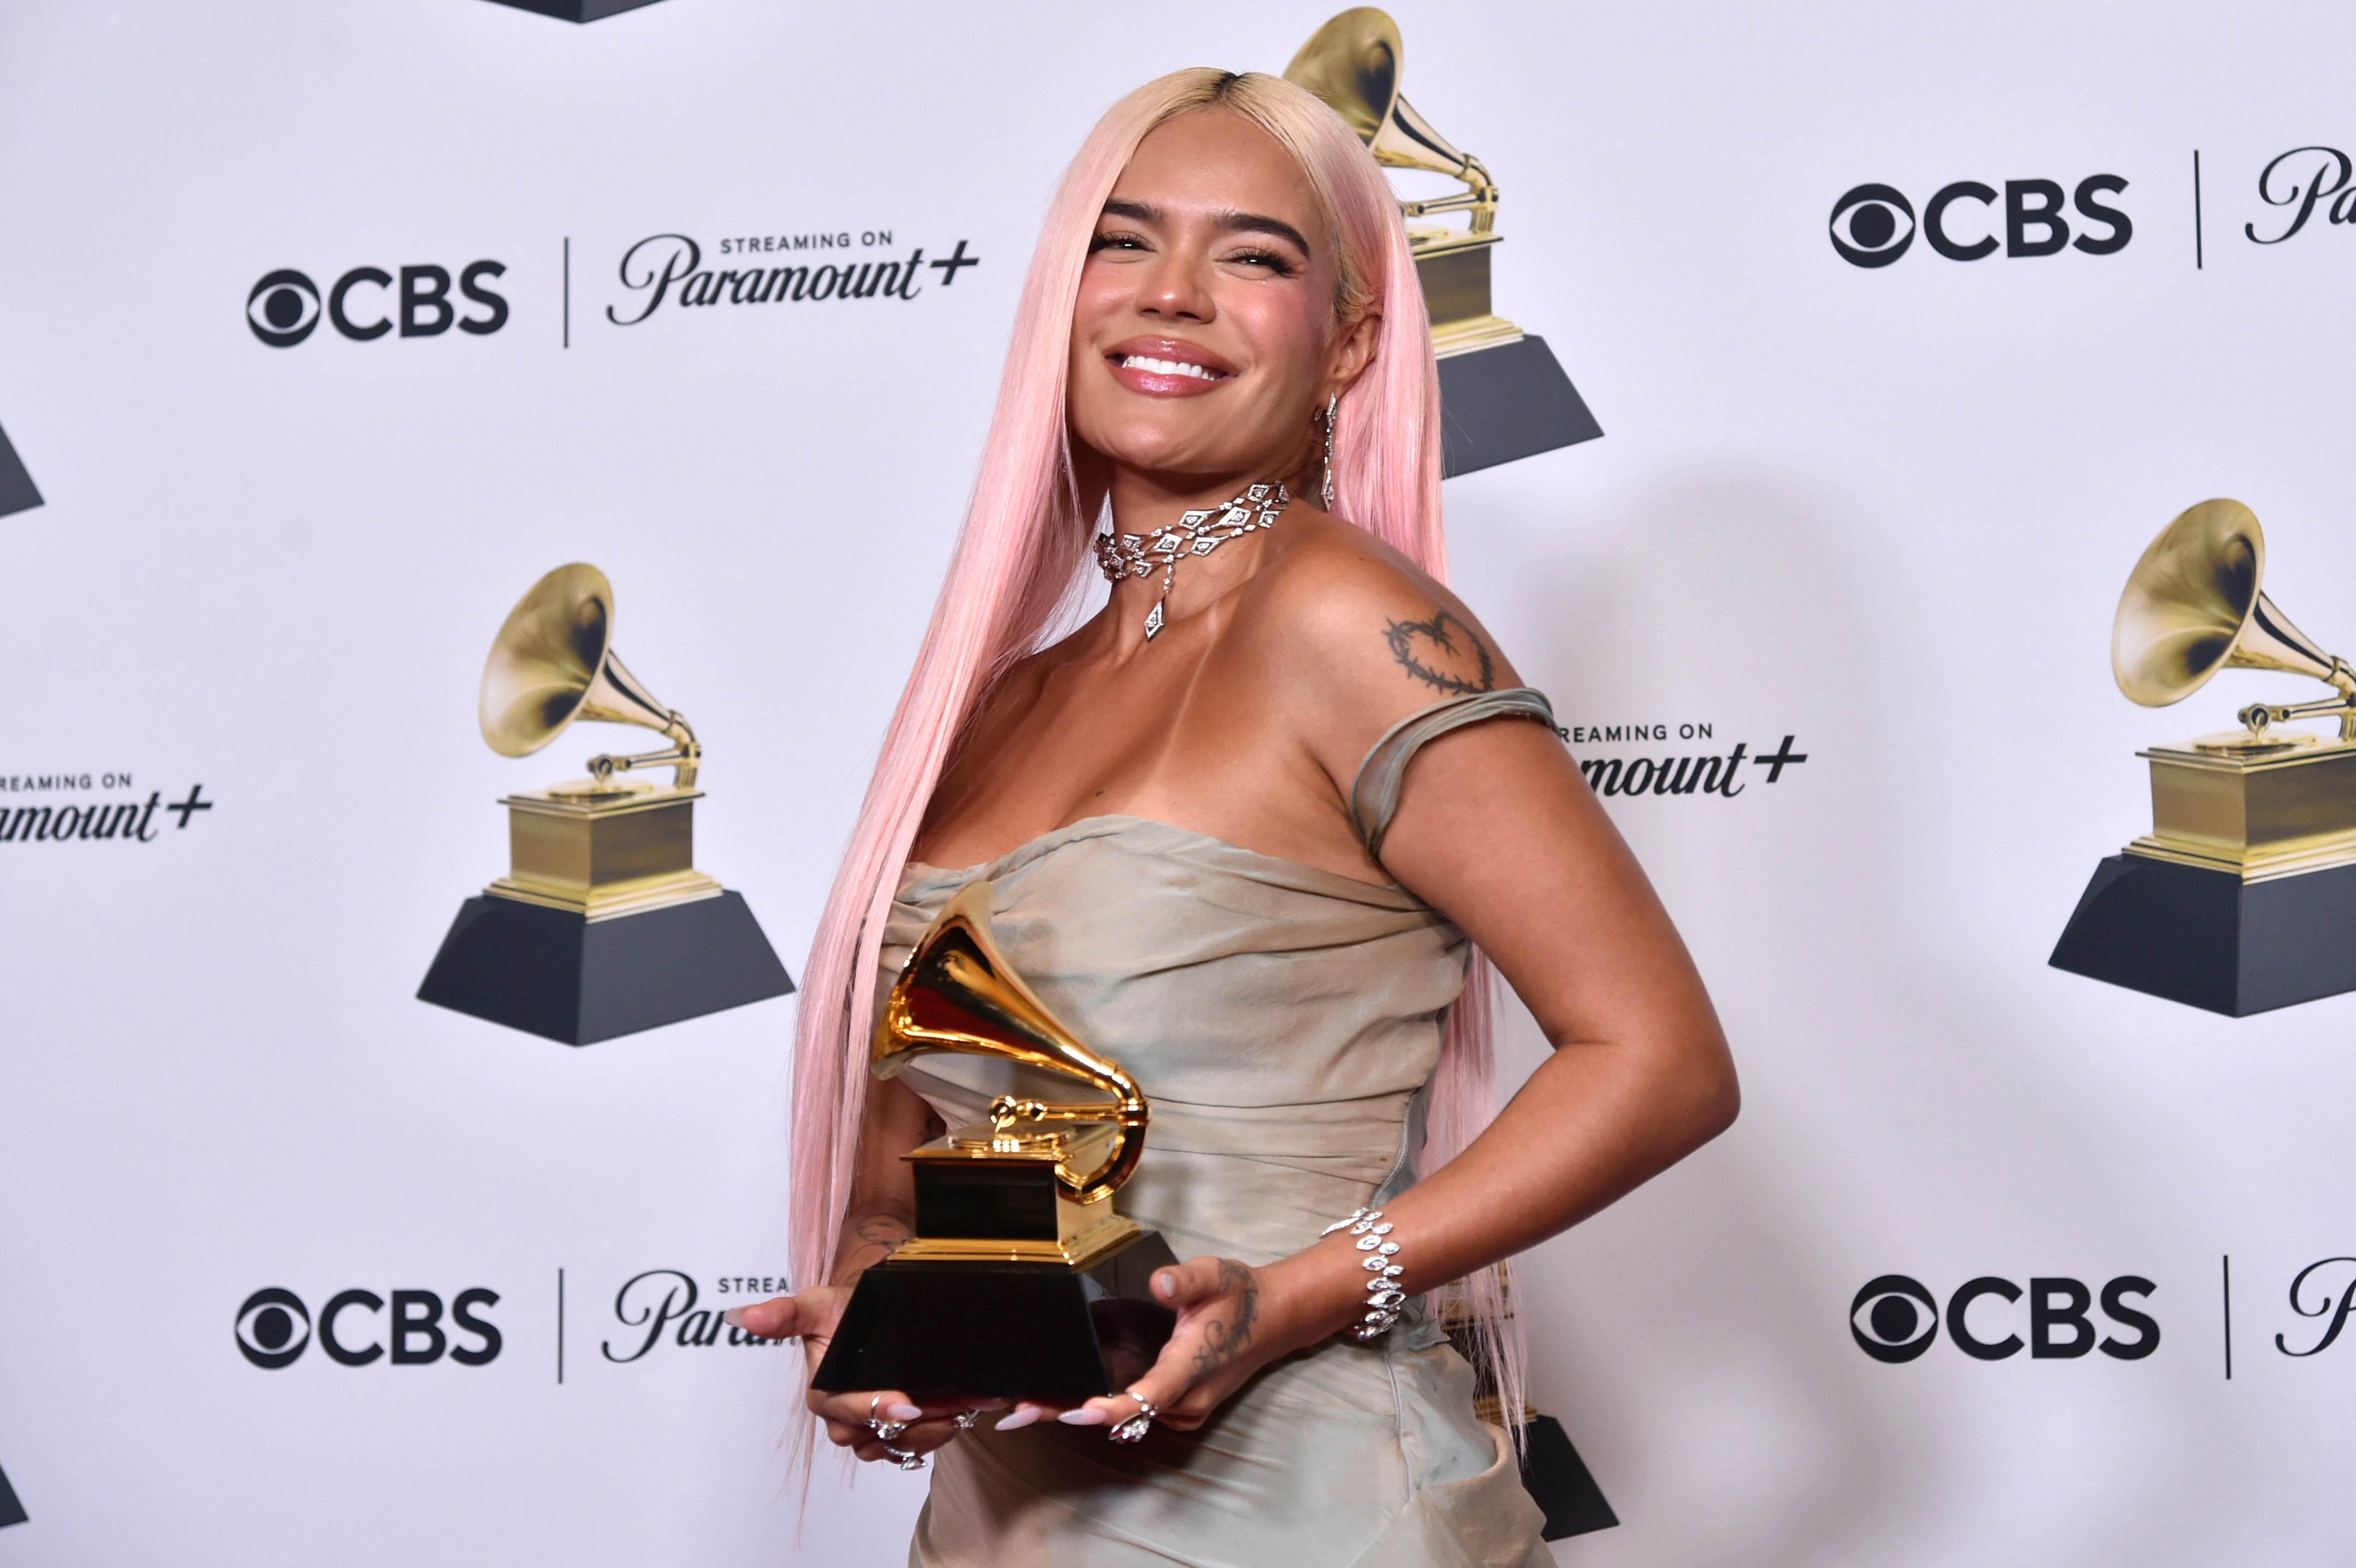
1279	265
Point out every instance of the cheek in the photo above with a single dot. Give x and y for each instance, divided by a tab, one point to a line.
1285	327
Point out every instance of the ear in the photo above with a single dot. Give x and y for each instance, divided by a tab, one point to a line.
1353	351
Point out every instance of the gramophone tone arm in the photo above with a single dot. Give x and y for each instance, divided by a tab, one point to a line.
1479	198
2258	715
682	757
1006	1110
1128	1115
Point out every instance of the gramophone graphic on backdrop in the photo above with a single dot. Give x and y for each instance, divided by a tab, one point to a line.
602	925
2242	896
1501	394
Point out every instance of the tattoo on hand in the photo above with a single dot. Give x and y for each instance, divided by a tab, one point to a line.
879	1236
1402	635
1223	1341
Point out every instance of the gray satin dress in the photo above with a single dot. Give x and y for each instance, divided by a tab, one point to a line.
1284	1022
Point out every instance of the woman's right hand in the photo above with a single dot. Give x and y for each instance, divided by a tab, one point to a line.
810	1316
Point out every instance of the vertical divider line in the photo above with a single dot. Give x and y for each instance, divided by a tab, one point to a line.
568	280
2226	1269
560	1327
2197	257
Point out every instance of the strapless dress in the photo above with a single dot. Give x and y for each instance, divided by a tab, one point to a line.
1284	1022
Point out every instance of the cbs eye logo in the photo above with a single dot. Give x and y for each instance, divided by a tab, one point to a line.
272	1327
284	307
1893	1319
1871	226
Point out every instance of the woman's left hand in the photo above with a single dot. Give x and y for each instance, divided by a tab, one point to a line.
1233	1319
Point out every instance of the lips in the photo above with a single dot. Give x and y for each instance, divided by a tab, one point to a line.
1167	368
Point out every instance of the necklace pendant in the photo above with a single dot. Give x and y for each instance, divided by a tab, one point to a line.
1153	622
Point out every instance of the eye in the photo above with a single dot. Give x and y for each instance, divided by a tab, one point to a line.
1282	265
272	1327
1872	226
283	308
1115	241
1893	1319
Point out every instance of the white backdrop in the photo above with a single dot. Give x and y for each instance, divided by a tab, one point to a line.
1884	511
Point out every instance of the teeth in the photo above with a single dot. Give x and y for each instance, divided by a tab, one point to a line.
1166	367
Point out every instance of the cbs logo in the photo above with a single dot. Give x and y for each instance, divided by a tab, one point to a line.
1873	225
274	1329
1895	1318
283	308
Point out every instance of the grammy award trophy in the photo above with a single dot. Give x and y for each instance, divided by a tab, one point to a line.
1021	1281
602	926
2242	896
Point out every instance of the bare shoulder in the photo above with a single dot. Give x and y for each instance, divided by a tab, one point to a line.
1357	638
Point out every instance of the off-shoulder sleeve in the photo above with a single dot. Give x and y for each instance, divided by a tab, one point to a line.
1374	794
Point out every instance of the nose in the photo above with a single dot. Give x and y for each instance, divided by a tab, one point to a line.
1178	289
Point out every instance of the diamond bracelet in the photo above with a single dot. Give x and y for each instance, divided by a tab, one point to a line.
1383	1297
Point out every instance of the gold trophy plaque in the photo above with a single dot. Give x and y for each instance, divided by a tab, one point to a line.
1505	395
1021	1281
602	925
2242	896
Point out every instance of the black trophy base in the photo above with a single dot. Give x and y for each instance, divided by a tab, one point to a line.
576	10
18	492
939	1330
2210	940
1556	1480
565	978
1507	402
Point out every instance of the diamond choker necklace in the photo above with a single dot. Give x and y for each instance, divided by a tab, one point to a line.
1194	533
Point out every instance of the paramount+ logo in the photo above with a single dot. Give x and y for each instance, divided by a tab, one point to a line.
367	303
1895	1319
1873	225
360	1328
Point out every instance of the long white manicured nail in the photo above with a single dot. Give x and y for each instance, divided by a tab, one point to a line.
1023	1416
1084	1416
904	1413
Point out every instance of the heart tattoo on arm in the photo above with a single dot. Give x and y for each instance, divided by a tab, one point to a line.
1403	637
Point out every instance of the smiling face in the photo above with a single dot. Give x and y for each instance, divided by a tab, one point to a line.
1205	337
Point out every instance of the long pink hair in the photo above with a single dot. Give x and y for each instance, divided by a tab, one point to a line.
1017	564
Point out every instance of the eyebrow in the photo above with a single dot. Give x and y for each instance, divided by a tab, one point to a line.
1229	222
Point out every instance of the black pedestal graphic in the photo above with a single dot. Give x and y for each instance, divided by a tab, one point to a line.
558	975
16	490
576	10
11	1511
2210	940
1556	1480
1510	401
937	1329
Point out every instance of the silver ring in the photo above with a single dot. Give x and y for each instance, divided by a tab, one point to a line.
965	1418
903	1459
886	1430
1134	1429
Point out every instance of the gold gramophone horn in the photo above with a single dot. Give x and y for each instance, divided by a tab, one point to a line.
1353	63
553	662
2193	607
957	993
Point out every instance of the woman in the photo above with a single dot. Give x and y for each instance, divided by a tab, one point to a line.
1212	858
